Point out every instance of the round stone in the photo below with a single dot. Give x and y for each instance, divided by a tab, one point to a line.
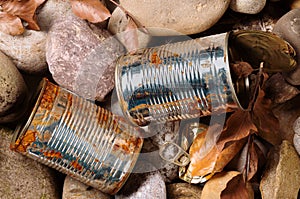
186	17
21	177
288	27
27	51
248	6
74	189
13	91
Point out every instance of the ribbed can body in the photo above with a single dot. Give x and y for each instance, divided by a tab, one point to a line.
176	81
78	138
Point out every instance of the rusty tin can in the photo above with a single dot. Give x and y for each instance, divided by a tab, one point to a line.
177	81
78	138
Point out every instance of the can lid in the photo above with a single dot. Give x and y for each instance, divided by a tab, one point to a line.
24	123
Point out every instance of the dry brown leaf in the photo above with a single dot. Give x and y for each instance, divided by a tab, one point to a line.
248	160
92	10
264	119
24	9
211	160
228	153
238	126
241	69
225	185
10	24
236	189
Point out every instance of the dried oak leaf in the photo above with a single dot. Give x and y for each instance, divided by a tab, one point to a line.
241	69
226	185
92	10
10	24
247	162
238	126
264	119
206	162
24	9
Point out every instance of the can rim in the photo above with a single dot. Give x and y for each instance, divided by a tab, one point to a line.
121	99
23	125
234	95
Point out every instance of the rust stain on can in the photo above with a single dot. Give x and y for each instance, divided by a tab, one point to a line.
22	143
78	138
190	79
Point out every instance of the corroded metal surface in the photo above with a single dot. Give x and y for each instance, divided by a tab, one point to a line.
78	138
176	81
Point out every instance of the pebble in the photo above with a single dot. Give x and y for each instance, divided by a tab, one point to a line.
13	91
74	189
82	58
297	135
247	6
184	191
288	27
281	179
52	10
287	113
145	185
27	51
279	90
186	17
21	177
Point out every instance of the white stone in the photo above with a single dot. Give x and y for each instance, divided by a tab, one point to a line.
13	91
27	51
22	177
74	189
186	17
248	6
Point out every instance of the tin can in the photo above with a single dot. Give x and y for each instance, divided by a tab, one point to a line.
177	81
78	138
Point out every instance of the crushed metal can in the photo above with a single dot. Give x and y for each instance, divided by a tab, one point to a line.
193	78
74	136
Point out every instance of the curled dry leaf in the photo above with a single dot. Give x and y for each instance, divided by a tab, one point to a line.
241	69
24	9
206	160
238	126
10	24
226	185
247	162
264	119
92	10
